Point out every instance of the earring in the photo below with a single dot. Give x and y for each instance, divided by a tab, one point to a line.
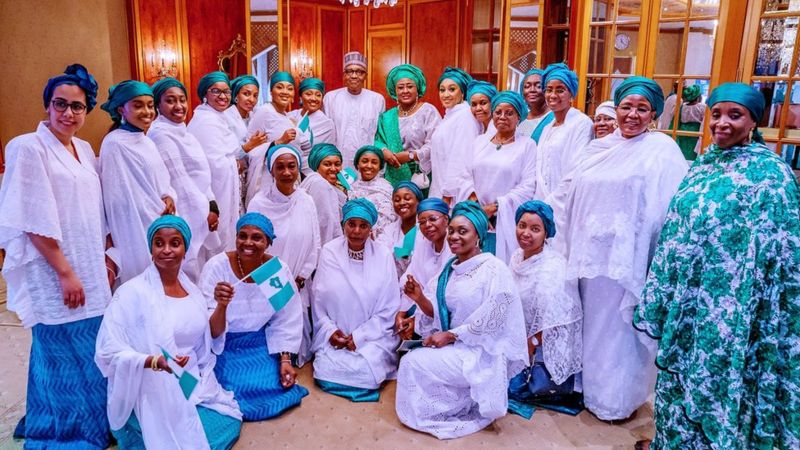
122	120
205	100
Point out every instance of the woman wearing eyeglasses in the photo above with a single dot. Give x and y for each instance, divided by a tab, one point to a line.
609	211
562	139
52	226
222	148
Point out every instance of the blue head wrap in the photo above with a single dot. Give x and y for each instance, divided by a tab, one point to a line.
539	72
209	80
77	75
411	187
360	208
562	73
320	152
458	76
480	87
744	95
645	87
282	149
241	81
541	209
514	99
433	204
278	77
311	83
405	71
369	149
169	221
121	93
259	221
474	213
161	86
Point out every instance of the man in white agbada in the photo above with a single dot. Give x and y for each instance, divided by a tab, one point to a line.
563	139
294	216
222	148
157	315
472	322
502	170
353	109
190	175
136	183
630	174
274	120
356	296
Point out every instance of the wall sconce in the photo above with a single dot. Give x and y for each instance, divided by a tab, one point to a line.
163	62
303	65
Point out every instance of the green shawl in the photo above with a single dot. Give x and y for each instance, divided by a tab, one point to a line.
388	136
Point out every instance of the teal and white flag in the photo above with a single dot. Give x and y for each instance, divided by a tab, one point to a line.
186	380
304	123
347	177
276	282
408	244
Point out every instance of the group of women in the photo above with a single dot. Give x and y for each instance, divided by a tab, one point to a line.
524	254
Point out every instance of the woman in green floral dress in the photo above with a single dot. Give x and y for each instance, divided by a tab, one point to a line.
723	293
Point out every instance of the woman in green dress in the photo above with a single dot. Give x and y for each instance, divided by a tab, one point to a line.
723	293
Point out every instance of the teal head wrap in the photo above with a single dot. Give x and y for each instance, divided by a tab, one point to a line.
514	99
405	71
360	208
209	80
77	75
539	72
311	83
259	221
458	76
169	221
121	93
411	187
282	149
371	149
562	73
241	81
474	213
541	209
480	87
161	86
278	77
320	152
433	204
691	93
645	87
744	95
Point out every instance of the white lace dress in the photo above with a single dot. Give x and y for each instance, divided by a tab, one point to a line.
379	192
461	388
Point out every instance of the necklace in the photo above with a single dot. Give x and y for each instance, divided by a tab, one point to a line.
502	142
239	263
406	112
355	255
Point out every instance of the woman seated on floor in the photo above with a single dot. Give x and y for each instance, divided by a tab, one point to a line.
260	333
553	317
474	337
356	296
154	402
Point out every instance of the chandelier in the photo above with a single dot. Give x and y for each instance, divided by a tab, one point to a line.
375	3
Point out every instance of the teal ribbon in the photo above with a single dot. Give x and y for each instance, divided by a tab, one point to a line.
444	277
537	133
408	244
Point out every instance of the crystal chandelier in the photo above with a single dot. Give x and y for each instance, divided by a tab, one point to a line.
375	3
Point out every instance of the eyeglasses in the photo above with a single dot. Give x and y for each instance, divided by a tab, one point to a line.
433	220
218	92
504	113
61	105
351	72
558	90
625	110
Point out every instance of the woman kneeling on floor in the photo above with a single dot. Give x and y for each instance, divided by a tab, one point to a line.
474	337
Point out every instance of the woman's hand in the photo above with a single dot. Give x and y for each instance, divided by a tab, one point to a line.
213	221
223	293
402	157
162	362
412	289
169	205
439	339
112	271
72	289
351	343
404	326
490	209
259	138
288	136
300	282
287	373
390	158
338	340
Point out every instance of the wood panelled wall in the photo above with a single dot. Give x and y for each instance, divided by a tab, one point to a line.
320	29
196	30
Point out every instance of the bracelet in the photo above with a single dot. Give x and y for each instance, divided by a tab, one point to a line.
154	363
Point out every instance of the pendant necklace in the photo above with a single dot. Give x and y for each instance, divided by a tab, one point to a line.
502	142
406	112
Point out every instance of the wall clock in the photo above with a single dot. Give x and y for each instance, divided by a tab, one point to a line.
622	41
